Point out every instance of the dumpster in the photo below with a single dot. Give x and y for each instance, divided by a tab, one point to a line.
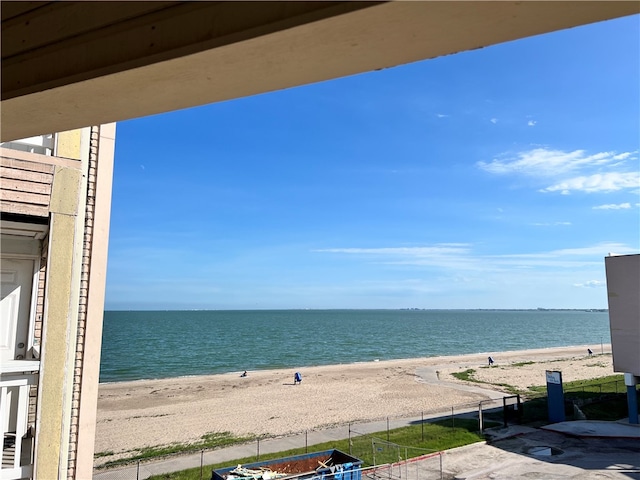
325	465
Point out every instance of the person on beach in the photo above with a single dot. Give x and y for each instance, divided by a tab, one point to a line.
589	351
244	374
297	378
491	362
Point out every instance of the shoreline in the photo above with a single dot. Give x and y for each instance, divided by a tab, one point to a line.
606	347
147	413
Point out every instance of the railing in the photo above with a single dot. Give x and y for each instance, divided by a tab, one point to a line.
613	386
42	144
17	448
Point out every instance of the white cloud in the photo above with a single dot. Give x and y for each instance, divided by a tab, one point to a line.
443	254
451	273
541	162
613	206
597	249
441	115
554	224
494	120
591	284
531	123
599	172
456	256
605	182
438	249
460	257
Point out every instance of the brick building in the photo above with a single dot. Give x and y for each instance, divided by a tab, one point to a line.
53	266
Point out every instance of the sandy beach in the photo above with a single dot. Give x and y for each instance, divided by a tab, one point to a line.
133	415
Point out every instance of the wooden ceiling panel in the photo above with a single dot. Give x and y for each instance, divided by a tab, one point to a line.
9	10
118	65
58	22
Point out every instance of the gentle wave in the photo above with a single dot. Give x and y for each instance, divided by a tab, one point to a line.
162	344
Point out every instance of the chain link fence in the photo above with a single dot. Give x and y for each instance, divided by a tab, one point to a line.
388	457
614	386
392	461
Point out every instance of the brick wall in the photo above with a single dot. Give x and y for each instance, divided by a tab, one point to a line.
37	327
84	289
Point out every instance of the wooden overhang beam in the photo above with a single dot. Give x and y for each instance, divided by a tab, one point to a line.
71	64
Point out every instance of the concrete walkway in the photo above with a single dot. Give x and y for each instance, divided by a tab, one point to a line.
596	429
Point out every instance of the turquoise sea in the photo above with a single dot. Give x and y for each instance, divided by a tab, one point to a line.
161	344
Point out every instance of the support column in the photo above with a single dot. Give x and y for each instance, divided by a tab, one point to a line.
61	310
632	397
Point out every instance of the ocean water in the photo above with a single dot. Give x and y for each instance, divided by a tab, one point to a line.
161	344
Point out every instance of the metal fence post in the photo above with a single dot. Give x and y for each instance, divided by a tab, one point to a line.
373	450
201	463
306	442
387	429
349	438
138	471
422	425
406	463
258	449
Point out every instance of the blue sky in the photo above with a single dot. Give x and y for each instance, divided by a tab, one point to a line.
496	178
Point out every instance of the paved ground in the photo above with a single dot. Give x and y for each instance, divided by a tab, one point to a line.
547	454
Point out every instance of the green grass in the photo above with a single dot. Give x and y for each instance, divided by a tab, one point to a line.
104	454
521	364
604	397
467	375
611	409
441	435
609	384
207	441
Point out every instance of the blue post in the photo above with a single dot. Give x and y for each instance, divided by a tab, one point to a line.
555	396
632	397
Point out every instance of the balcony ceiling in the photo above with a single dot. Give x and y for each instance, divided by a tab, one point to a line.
72	64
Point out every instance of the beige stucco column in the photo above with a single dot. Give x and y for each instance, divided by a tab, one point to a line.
61	311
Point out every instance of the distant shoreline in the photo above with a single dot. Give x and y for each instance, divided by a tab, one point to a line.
539	309
430	359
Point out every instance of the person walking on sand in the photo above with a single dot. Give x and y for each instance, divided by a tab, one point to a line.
297	378
589	351
491	362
